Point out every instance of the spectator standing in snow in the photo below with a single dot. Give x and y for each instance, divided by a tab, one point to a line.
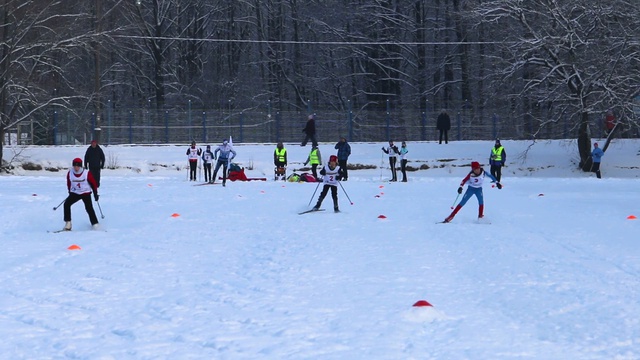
193	154
344	150
315	159
596	155
310	131
207	160
224	154
94	160
80	184
330	175
280	155
474	179
497	159
393	152
443	124
403	161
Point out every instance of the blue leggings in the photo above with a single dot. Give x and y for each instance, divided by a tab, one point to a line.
469	193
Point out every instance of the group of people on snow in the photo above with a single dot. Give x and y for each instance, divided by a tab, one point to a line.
223	154
83	179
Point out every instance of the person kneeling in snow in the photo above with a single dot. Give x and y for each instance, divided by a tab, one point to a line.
474	179
80	183
330	174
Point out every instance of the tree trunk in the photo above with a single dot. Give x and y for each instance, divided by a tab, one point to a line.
584	142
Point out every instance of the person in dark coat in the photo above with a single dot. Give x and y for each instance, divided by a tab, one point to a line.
94	160
310	132
344	150
443	124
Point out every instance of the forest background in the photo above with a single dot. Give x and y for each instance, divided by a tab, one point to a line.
141	71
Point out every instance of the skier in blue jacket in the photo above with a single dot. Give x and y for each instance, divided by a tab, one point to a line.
225	150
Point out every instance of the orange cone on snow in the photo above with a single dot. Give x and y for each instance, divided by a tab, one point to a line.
73	247
631	217
175	215
381	217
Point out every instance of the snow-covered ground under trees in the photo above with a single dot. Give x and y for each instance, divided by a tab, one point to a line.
209	272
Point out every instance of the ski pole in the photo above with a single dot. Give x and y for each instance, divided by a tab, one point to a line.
99	208
345	192
314	194
455	201
56	207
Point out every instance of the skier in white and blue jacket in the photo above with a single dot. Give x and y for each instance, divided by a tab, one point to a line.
224	157
474	179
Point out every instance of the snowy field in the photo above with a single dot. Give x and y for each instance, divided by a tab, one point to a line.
209	272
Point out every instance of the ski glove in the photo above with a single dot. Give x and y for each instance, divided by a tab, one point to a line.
96	196
460	190
499	185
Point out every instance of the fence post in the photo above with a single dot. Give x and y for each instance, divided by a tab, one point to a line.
277	126
130	127
350	121
388	122
241	126
459	122
495	126
423	135
109	122
93	125
189	118
166	126
204	128
55	128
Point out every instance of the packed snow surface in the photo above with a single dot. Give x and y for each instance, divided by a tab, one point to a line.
178	271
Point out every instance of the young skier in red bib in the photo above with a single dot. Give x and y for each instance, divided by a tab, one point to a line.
80	184
474	179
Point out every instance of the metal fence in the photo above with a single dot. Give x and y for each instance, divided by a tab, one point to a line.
263	125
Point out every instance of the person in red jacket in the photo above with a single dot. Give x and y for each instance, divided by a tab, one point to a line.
80	184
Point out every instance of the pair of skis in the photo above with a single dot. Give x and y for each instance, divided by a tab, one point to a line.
310	211
479	221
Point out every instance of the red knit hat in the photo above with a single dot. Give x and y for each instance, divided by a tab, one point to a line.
475	165
333	158
77	161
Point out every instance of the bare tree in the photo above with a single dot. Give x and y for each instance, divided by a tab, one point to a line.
37	39
575	58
